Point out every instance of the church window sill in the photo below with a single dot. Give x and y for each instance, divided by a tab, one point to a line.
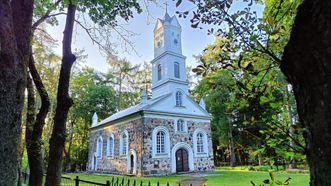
201	154
161	155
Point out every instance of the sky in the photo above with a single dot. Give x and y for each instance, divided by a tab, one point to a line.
193	40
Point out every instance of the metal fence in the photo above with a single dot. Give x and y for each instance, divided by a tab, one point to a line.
114	181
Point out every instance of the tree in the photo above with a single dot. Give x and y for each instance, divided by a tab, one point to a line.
15	29
306	64
123	73
102	16
91	94
248	49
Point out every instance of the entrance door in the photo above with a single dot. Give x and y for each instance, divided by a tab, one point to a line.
94	163
181	160
131	163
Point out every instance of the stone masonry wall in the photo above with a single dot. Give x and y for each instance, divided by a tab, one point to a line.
162	166
117	164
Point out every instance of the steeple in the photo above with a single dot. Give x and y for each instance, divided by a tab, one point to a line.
169	70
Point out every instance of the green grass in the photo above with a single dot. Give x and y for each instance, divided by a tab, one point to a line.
220	178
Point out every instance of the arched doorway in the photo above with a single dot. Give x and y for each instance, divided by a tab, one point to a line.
182	160
94	162
189	152
131	163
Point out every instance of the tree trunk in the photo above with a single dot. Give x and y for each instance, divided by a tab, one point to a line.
15	28
307	65
64	102
35	127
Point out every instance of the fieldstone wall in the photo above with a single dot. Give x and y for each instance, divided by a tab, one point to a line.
162	166
118	163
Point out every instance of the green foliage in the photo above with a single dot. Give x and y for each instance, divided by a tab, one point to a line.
240	75
272	181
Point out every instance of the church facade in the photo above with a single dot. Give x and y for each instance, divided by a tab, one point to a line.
167	134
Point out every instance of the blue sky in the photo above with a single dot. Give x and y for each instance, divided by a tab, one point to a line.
193	40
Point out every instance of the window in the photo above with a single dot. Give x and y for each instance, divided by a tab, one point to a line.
110	146
179	96
200	143
124	143
99	147
160	142
180	125
159	72
176	70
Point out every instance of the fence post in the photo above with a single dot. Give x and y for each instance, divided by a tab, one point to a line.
108	183
167	183
77	181
149	183
158	183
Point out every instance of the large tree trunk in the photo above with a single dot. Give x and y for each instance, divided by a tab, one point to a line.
15	28
64	102
35	126
307	65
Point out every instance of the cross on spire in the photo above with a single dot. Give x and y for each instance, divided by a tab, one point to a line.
166	4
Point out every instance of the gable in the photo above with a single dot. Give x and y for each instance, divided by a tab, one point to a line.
168	105
158	24
174	21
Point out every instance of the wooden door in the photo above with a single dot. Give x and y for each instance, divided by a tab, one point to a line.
181	160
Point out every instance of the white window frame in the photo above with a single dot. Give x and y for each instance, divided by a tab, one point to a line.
179	98
110	147
99	146
122	154
205	144
166	153
183	126
159	72
176	70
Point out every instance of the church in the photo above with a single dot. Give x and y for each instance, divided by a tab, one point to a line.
167	134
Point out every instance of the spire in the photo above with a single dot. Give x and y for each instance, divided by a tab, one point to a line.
94	119
143	99
202	104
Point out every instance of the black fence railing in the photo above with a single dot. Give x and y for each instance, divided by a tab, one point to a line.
114	181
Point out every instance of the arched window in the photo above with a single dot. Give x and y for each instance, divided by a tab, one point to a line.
159	72
160	142
99	147
180	125
200	143
110	146
124	143
179	98
176	70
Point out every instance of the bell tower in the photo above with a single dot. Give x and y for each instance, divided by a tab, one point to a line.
168	65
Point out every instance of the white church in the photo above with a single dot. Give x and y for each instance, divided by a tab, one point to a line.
167	134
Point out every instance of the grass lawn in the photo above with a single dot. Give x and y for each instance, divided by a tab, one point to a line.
220	178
